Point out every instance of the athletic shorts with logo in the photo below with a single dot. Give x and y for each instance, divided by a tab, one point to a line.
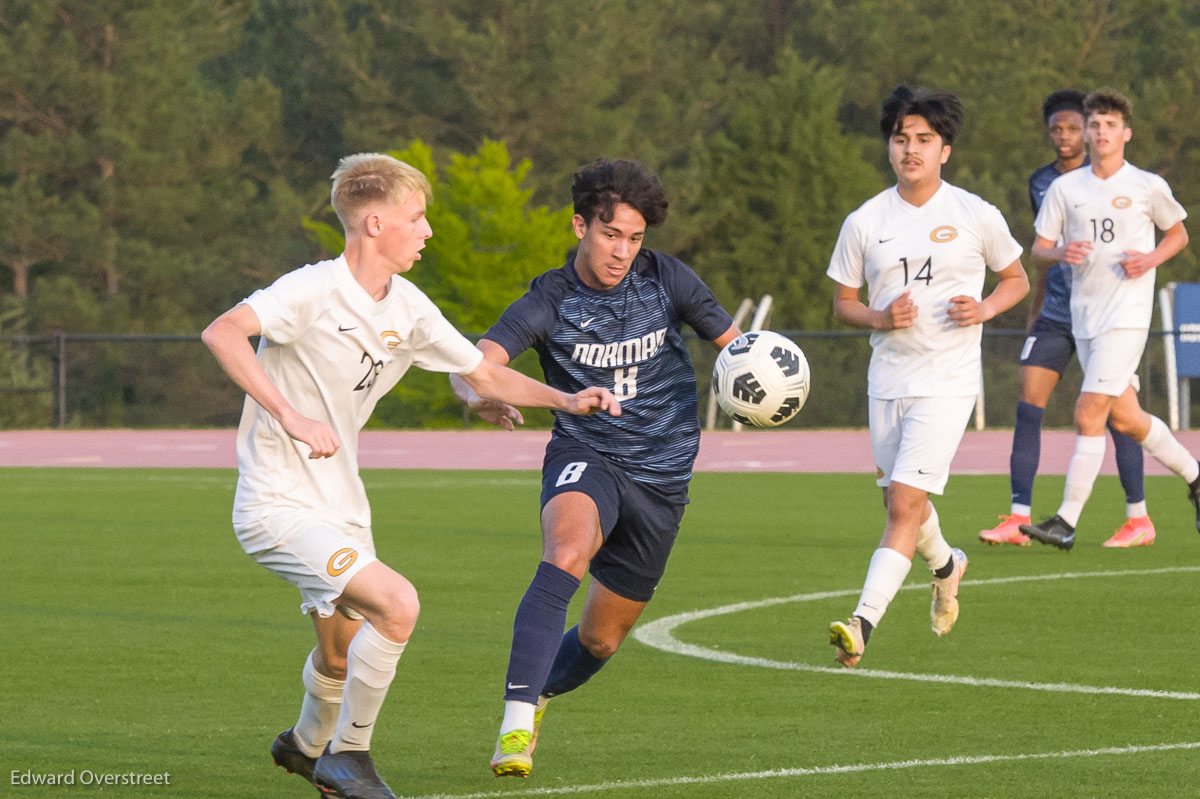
1110	360
639	521
1049	345
914	439
315	556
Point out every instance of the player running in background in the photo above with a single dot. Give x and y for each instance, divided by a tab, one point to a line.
923	248
1048	350
613	488
337	336
1106	216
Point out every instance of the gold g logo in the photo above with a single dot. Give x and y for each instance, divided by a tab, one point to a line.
342	559
943	234
391	338
1121	202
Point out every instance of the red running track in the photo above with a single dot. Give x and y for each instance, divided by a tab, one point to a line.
984	452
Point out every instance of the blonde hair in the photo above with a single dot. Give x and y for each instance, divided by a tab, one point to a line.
367	178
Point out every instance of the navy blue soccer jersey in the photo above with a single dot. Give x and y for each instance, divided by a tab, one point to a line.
627	339
1056	304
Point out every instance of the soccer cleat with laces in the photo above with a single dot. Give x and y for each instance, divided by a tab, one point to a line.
513	755
538	712
943	611
1137	532
1007	531
1053	531
349	775
291	757
847	637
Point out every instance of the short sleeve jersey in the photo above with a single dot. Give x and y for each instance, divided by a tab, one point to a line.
1056	303
332	351
627	339
939	250
1114	214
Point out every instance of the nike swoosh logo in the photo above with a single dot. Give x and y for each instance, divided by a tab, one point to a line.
922	471
885	241
360	726
346	329
588	322
512	687
1078	205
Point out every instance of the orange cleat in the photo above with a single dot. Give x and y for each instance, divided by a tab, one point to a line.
1137	532
1007	531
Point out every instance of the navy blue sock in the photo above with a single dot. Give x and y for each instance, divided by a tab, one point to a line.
573	666
1026	452
537	629
1131	466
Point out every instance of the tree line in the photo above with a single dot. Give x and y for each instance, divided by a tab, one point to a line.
160	159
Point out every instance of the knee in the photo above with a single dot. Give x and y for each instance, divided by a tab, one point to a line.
601	647
400	609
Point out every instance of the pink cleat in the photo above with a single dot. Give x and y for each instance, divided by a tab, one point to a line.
1008	531
1137	532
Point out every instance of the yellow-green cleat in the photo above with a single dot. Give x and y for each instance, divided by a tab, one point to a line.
513	755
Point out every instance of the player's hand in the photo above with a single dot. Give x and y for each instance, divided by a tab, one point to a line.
901	313
965	311
1076	252
318	435
498	413
592	400
1136	263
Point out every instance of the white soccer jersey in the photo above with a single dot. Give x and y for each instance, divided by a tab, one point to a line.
937	251
1115	215
333	351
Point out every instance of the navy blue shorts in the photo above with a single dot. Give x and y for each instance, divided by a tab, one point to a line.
1050	345
639	521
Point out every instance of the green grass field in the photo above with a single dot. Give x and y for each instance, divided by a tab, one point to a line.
138	637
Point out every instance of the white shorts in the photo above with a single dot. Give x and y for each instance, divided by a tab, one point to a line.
915	438
317	557
1110	361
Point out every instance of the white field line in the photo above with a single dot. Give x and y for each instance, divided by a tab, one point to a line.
857	768
660	635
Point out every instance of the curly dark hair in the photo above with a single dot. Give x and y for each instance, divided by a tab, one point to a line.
942	110
1108	101
1062	100
600	185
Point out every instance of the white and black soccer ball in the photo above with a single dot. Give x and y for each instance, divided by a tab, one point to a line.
761	378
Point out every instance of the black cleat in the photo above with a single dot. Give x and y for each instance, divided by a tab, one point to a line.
1194	496
291	757
350	775
1053	531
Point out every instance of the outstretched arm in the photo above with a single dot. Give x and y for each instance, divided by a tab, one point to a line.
491	411
228	339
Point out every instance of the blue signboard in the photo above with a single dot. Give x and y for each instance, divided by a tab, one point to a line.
1187	329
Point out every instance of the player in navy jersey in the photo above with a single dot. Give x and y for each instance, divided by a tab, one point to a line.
1048	349
613	495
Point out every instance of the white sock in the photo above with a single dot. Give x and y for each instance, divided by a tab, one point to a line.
884	577
319	711
1021	510
930	544
1167	450
370	666
517	716
1081	476
1136	510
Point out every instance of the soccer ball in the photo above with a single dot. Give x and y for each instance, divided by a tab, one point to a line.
761	378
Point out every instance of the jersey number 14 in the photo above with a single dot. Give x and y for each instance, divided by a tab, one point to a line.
924	273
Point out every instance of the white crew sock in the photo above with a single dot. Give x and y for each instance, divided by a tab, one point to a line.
370	666
1021	510
1081	476
930	544
884	577
319	711
1136	510
517	716
1167	450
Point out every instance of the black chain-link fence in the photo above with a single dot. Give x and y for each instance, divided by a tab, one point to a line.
165	381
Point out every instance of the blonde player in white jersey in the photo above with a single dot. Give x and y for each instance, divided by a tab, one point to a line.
335	337
1106	217
923	248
